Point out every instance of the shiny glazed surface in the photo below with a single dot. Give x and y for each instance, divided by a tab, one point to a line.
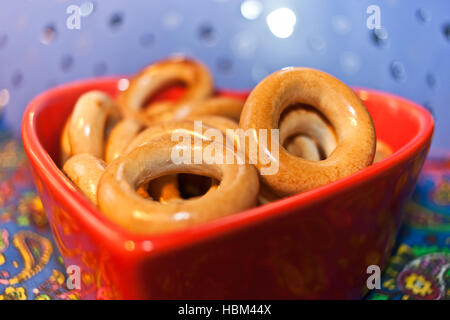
354	130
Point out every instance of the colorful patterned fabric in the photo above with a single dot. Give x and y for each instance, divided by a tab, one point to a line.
30	265
32	268
420	266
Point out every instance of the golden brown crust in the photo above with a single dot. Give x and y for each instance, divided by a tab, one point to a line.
308	124
345	111
118	199
158	76
120	137
88	123
303	147
85	171
215	106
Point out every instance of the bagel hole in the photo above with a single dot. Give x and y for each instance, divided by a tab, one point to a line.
171	91
307	107
193	185
287	144
180	186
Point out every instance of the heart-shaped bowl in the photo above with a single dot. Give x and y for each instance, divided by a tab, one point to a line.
317	244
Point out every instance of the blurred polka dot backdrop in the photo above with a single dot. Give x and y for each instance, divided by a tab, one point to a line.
42	44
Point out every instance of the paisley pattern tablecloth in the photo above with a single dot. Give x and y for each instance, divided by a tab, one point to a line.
32	268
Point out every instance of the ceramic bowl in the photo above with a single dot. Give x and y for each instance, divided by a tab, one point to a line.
317	244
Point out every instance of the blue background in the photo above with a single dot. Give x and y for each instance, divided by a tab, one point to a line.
409	57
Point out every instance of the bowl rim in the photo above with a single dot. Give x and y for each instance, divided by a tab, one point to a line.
100	228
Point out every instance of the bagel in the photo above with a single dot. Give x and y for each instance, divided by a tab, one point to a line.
346	113
309	124
227	107
85	170
117	197
88	123
120	137
304	147
158	76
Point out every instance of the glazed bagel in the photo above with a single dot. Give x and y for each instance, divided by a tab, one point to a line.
118	199
120	137
215	121
165	129
89	123
158	111
301	145
158	76
304	147
308	124
344	110
85	171
266	195
227	107
165	189
159	132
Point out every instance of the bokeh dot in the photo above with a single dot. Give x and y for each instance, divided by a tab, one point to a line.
432	81
207	34
100	68
251	9
147	245
380	37
398	71
147	40
4	97
86	8
116	21
341	25
317	44
423	15
171	20
446	31
224	65
281	22
3	40
244	44
350	62
66	63
123	84
48	34
17	79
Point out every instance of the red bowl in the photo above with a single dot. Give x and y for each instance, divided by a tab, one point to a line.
317	244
